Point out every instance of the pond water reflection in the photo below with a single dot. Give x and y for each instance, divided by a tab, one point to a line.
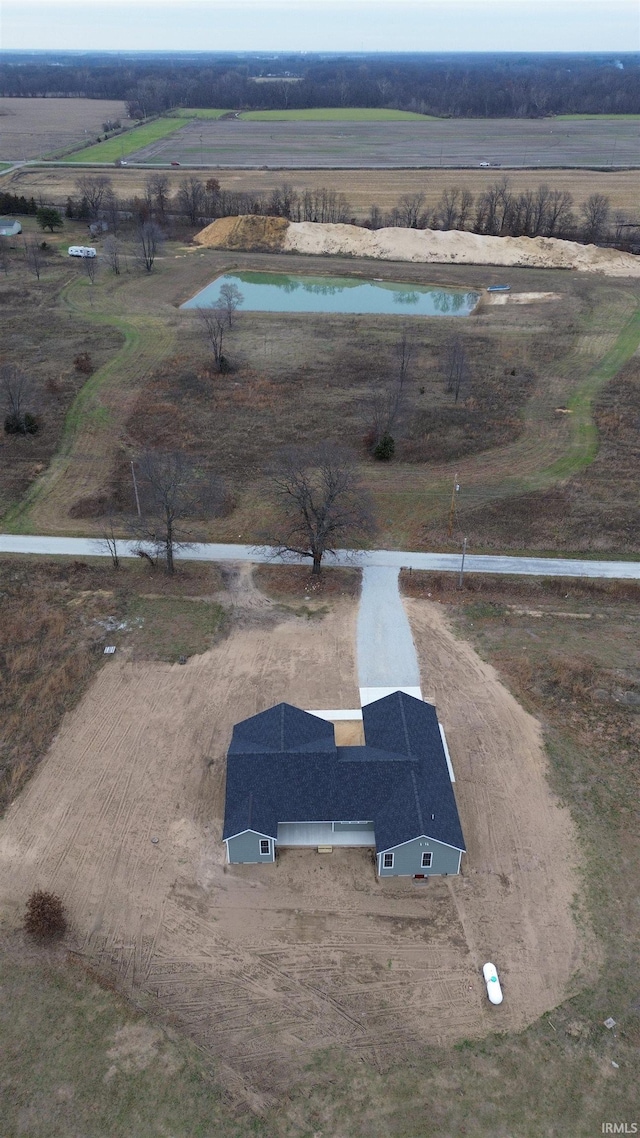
280	292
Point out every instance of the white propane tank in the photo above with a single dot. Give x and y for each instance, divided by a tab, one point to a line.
494	991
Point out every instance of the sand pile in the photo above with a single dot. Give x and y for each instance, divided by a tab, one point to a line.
275	234
248	232
428	245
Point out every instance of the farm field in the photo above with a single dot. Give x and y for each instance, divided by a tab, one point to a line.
45	128
362	188
442	142
336	114
335	959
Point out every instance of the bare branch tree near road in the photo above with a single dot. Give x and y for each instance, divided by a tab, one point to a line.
321	503
174	493
16	393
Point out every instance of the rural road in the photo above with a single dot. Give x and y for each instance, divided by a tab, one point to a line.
386	653
384	558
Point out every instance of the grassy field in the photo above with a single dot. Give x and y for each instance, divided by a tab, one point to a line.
197	113
611	118
505	440
336	114
131	142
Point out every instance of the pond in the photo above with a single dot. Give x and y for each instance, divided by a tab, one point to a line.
279	292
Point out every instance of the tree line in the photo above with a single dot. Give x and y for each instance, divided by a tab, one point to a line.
477	85
498	211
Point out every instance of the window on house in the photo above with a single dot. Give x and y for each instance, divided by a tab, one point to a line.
426	860
387	861
265	846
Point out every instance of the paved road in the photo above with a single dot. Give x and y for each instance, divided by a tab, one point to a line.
440	562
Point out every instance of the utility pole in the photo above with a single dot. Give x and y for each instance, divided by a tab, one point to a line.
452	510
135	490
464	550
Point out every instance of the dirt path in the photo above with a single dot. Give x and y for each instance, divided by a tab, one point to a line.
263	965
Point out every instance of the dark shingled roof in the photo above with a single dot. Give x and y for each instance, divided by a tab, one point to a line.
283	766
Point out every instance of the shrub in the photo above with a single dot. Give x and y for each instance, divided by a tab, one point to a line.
46	918
385	449
26	424
84	364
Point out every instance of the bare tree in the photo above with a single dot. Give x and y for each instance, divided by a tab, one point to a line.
174	494
16	392
148	241
321	503
93	188
191	199
214	322
387	402
112	251
108	542
595	214
156	190
90	269
34	257
456	368
464	209
231	299
410	210
448	208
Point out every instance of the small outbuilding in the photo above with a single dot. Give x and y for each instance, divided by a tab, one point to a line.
9	227
288	784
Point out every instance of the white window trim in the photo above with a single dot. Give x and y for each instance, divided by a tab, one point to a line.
267	852
426	853
384	857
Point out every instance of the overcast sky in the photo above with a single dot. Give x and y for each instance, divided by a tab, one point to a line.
322	25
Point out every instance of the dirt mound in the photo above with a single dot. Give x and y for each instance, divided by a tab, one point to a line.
273	234
248	232
454	247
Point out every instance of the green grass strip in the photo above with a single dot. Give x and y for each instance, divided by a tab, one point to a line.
129	142
604	118
584	433
337	114
197	113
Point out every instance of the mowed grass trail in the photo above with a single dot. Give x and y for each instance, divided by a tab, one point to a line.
337	114
96	420
129	142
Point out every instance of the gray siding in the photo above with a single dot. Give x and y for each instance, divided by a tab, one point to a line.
246	848
407	859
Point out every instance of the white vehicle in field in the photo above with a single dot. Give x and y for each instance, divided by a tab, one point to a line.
81	251
494	991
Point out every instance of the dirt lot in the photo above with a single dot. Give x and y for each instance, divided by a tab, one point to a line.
263	967
444	142
362	188
46	128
